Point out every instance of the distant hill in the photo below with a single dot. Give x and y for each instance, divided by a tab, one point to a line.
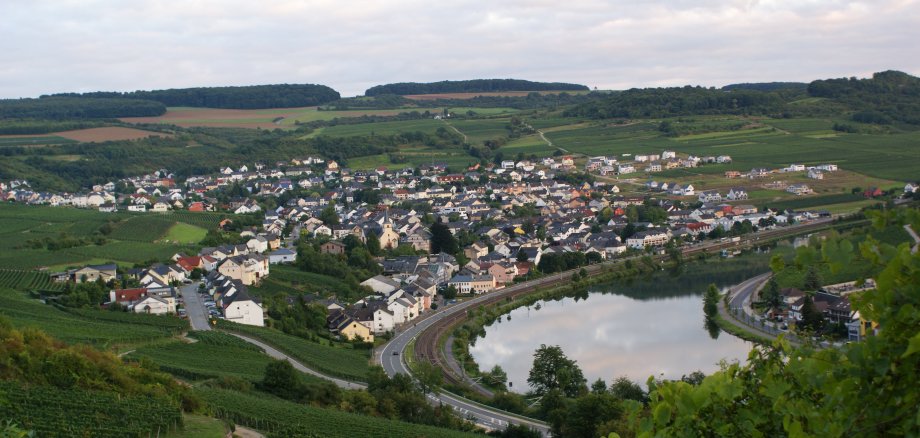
767	86
78	108
886	97
678	101
471	86
245	97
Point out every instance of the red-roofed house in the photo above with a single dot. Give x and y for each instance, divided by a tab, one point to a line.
189	263
127	297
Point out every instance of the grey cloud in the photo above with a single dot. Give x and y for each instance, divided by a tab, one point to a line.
52	46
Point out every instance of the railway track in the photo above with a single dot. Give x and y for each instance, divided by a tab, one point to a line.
427	344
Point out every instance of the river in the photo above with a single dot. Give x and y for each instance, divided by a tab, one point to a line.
654	326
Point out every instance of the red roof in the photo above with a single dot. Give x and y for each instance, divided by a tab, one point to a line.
130	295
189	263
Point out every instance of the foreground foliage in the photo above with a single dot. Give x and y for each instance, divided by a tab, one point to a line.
861	389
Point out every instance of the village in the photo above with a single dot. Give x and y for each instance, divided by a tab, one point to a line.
510	220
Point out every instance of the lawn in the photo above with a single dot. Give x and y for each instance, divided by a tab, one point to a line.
184	233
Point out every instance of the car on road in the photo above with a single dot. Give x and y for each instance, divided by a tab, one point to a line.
395	353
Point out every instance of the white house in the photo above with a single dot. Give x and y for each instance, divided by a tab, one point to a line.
282	255
709	196
668	154
154	305
736	194
240	308
625	168
798	189
723	159
648	238
381	284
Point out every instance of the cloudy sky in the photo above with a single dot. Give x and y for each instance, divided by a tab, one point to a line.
52	46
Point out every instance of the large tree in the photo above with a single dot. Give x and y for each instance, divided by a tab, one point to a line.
711	302
553	370
442	240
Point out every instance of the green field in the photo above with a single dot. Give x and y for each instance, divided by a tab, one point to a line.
34	141
341	361
134	238
890	156
279	418
185	234
100	328
27	280
290	280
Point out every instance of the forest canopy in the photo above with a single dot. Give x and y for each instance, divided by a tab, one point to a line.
71	108
246	97
471	86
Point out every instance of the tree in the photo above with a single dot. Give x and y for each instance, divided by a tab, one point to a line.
626	389
373	243
497	376
553	370
770	295
777	263
442	240
282	379
711	302
449	293
812	319
813	279
329	216
599	386
429	377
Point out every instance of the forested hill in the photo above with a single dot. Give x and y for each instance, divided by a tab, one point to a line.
886	97
245	97
471	86
667	102
767	86
71	108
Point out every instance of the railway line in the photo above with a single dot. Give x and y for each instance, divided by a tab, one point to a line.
427	344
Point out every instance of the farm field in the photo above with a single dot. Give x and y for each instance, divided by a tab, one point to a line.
344	362
890	156
109	133
262	118
183	233
279	417
288	279
214	354
134	238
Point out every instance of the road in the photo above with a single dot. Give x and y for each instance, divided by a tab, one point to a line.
197	313
273	352
391	359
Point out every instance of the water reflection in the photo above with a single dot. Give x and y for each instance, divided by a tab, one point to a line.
610	335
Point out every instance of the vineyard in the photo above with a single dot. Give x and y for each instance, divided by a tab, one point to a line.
141	228
94	327
27	280
56	412
214	355
281	418
346	363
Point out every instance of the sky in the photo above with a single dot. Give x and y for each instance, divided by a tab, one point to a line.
50	46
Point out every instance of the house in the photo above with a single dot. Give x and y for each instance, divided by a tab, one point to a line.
154	305
258	244
240	308
648	238
798	189
348	328
248	269
668	155
625	168
382	285
815	174
732	174
477	284
333	247
911	188
709	196
722	159
282	255
93	273
736	194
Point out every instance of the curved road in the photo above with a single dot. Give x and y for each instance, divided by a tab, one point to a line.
391	358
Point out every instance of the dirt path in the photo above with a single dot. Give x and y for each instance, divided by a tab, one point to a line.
465	138
245	432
